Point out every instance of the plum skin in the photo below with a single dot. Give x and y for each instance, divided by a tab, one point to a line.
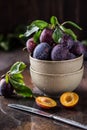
42	51
6	89
85	51
30	44
77	49
59	53
46	36
67	41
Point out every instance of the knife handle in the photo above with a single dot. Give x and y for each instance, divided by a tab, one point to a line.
70	122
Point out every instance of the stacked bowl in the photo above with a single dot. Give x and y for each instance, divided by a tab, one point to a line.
54	77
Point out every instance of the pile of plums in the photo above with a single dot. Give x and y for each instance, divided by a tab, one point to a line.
47	49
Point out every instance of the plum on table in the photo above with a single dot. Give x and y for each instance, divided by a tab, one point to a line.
45	102
6	89
69	99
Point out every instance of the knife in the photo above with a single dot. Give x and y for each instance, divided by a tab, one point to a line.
48	115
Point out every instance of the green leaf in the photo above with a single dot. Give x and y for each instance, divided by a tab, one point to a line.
31	30
69	32
57	34
73	24
54	21
36	36
17	77
1	37
40	24
18	67
34	27
21	35
84	42
21	88
5	45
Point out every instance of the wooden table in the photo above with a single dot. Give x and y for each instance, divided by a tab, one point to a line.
11	119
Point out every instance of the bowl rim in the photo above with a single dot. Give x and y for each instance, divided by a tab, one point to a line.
59	75
51	61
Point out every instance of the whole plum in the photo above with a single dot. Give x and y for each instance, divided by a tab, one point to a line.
59	52
6	89
30	44
42	51
67	41
77	49
46	36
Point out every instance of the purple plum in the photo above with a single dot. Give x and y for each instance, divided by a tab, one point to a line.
67	41
71	56
42	51
6	89
59	52
85	51
30	44
78	48
46	36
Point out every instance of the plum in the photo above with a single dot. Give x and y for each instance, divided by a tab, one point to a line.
42	51
45	102
71	56
30	44
46	36
84	43
6	89
67	41
85	51
59	52
77	49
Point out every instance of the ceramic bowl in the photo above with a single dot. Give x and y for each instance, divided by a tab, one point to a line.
53	84
56	67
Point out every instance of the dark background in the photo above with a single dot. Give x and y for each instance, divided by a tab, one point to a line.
21	12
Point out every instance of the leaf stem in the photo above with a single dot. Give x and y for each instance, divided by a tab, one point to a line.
3	76
71	23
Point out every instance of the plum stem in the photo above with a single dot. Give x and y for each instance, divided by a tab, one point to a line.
2	76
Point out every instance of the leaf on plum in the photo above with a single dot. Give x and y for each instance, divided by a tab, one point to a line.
17	77
31	30
57	34
54	21
69	31
21	88
40	24
73	24
36	36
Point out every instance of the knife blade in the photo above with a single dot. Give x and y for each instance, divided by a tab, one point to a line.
48	115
